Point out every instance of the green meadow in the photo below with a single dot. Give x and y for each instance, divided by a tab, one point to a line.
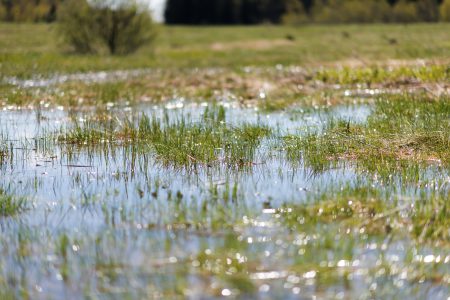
35	49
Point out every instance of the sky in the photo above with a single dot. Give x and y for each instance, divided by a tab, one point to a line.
157	7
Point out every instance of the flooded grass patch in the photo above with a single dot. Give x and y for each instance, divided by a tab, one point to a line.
207	142
401	133
217	167
269	89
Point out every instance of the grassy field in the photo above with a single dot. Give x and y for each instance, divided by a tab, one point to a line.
201	62
246	162
27	50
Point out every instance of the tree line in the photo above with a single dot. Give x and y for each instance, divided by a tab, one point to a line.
198	12
29	10
305	11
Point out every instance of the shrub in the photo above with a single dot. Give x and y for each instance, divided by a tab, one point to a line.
96	26
76	26
444	11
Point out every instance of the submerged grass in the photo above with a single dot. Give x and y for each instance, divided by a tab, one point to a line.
208	142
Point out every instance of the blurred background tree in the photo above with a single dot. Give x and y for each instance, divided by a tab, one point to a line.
29	10
352	11
428	10
405	12
296	12
300	11
445	11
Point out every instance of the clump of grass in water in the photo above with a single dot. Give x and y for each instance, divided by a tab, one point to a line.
431	218
4	149
10	205
351	207
3	155
180	143
402	133
423	217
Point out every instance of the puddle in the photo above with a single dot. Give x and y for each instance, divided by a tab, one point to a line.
114	221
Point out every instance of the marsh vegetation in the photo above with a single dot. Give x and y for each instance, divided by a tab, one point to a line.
263	180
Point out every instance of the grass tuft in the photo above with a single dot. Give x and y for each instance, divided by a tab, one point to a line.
10	205
180	143
367	210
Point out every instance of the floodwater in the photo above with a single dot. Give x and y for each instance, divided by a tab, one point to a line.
91	77
112	222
